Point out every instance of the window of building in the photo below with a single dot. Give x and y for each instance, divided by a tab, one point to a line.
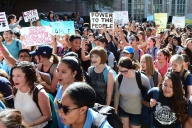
139	6
157	6
179	6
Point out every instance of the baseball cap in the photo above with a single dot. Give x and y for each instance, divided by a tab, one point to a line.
128	49
42	49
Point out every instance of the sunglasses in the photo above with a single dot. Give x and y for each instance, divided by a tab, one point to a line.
131	39
65	109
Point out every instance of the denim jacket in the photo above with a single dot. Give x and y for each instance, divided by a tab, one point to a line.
90	118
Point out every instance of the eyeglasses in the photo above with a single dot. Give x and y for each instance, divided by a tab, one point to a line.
25	56
132	39
66	110
124	72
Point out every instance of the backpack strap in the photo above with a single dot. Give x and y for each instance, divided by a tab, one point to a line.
98	120
105	73
139	82
156	93
139	55
51	71
17	44
155	78
91	70
186	74
35	95
120	78
154	51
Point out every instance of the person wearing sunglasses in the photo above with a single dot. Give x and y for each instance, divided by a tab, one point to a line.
128	96
75	106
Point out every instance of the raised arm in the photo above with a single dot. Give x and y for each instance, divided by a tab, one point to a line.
83	56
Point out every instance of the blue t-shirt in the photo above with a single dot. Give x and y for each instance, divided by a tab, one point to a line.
5	67
2	105
186	82
14	47
58	97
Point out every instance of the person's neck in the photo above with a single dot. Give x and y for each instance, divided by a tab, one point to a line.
9	41
130	74
73	50
162	62
135	47
24	89
46	63
12	22
80	122
151	47
100	66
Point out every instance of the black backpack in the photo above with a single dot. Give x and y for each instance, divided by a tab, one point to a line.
106	113
138	79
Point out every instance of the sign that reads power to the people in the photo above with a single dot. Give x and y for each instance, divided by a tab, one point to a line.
101	19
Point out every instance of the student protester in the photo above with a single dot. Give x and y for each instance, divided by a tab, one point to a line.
103	89
45	64
13	23
186	63
11	118
169	106
66	17
152	49
75	107
23	81
128	96
68	71
177	42
142	42
50	17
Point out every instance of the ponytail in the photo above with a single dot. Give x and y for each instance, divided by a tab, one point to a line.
79	77
55	59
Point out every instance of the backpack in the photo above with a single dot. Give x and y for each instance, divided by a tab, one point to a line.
138	79
105	75
153	52
53	122
51	70
156	97
106	113
115	62
155	78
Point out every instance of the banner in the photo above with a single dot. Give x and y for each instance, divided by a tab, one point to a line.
101	19
121	17
63	28
178	21
45	23
3	22
161	19
150	18
31	15
36	35
187	21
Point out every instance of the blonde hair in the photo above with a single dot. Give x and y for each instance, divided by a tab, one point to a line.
150	69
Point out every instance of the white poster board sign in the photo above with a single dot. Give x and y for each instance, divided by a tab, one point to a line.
178	21
31	15
101	19
36	35
3	22
121	17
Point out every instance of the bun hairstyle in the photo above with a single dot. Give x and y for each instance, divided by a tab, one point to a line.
12	118
126	62
82	94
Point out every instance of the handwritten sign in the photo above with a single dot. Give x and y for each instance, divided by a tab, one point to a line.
161	19
31	15
36	35
3	22
120	17
187	21
101	19
178	21
45	23
63	28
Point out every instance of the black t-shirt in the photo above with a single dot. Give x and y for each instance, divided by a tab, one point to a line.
5	89
84	64
162	115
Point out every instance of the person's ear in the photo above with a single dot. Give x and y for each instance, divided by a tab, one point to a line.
83	110
74	73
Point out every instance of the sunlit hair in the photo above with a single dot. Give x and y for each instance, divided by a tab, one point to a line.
150	69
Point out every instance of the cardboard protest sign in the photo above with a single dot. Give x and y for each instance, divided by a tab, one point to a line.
3	22
161	19
178	21
150	18
121	17
101	19
36	35
31	15
63	28
45	23
187	21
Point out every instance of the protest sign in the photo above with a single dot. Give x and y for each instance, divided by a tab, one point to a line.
45	23
101	19
187	21
31	15
161	19
120	17
36	35
178	21
150	18
63	28
3	22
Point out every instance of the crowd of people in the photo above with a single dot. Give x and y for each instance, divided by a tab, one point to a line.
145	75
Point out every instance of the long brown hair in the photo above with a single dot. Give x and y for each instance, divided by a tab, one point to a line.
150	69
178	102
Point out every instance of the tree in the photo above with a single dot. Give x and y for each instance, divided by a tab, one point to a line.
6	5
